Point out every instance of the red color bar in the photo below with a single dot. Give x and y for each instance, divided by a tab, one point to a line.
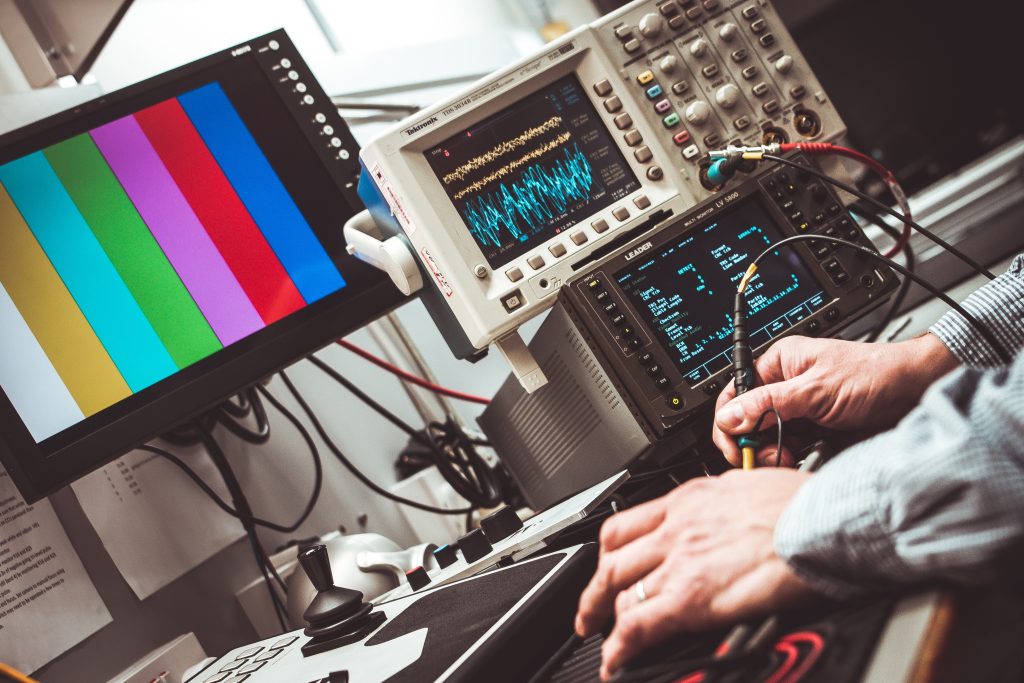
220	210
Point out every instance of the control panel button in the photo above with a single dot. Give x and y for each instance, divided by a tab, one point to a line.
641	201
676	21
651	25
536	261
712	140
758	26
797	92
728	31
710	71
417	578
655	173
668	9
618	320
749	72
681	138
662	383
654	92
602	296
474	545
760	90
645	77
635	343
784	64
662	106
300	87
710	5
308	99
691	152
600	226
750	11
739	55
514	274
680	87
767	40
319	118
513	302
595	285
770	107
727	96
668	64
674	401
603	87
698	112
621	213
501	524
611	308
445	556
692	13
670	120
293	75
631	45
654	370
699	47
627	331
623	32
557	250
613	104
645	358
633	137
741	123
579	237
643	154
623	121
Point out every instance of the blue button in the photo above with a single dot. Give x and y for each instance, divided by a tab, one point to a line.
654	92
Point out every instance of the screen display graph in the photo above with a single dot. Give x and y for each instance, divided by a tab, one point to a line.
532	170
140	247
684	289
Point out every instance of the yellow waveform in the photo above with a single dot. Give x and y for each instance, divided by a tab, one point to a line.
513	165
501	150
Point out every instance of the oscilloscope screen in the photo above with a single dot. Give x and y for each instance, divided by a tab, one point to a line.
532	170
685	289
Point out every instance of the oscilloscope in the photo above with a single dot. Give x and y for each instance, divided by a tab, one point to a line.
534	175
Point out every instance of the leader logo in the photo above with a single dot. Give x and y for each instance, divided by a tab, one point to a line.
639	250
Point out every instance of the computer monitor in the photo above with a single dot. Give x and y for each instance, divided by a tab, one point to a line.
165	246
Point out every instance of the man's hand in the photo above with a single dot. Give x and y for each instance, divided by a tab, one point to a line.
836	384
704	553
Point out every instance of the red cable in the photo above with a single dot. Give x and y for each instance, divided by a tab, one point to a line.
792	654
888	177
817	644
411	378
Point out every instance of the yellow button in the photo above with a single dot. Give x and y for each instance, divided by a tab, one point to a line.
645	77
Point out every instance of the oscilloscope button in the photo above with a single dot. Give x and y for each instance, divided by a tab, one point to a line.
680	87
536	261
627	331
579	237
654	92
676	21
600	225
621	213
654	370
691	152
623	32
602	296
645	358
750	12
641	201
514	274
655	173
758	26
645	77
710	5
513	301
623	121
712	388
635	343
682	137
650	25
668	8
693	13
557	250
619	320
610	308
603	87
633	137
662	383
749	72
594	285
674	401
613	104
631	45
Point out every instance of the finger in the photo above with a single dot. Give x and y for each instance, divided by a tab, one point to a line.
792	398
626	526
616	573
645	625
768	456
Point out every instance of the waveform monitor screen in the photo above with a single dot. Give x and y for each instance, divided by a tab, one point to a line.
685	289
181	238
532	170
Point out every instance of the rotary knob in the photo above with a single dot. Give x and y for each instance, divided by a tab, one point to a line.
698	112
727	96
699	47
784	63
728	31
668	63
650	25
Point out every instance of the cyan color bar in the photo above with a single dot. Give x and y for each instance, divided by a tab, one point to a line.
89	275
262	192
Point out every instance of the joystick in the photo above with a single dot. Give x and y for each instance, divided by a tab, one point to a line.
336	616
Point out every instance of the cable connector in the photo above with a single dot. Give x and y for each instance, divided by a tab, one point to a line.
752	152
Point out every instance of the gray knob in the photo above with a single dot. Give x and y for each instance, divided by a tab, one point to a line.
698	112
727	96
650	25
668	63
728	31
784	64
699	47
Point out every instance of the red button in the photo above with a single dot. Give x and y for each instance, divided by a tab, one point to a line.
682	137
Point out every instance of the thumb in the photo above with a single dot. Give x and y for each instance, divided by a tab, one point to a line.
740	414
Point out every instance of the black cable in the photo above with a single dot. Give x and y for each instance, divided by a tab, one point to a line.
901	293
996	345
482	488
242	409
882	207
366	481
228	414
778	425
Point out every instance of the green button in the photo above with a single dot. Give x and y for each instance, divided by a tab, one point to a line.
671	120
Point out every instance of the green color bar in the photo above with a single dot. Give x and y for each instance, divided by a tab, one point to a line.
132	249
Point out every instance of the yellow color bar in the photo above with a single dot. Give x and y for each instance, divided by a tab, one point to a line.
54	317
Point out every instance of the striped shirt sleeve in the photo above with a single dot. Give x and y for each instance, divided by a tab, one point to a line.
999	305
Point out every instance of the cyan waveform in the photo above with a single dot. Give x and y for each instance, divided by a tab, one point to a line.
522	207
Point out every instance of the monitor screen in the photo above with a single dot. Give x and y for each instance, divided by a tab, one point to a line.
166	246
684	289
532	170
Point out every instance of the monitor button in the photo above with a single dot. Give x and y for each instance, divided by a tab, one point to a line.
557	250
536	261
579	237
514	274
600	226
603	87
621	213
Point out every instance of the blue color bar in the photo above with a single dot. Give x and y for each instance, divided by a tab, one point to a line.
262	192
87	272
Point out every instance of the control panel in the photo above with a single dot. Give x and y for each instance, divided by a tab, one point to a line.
537	173
659	313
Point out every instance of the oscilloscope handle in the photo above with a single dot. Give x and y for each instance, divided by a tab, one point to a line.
524	365
391	255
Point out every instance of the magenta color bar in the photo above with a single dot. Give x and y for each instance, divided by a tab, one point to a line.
177	229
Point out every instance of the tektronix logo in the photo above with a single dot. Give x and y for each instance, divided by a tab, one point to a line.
420	126
639	250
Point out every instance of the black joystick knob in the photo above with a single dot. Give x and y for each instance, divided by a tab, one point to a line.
336	616
501	524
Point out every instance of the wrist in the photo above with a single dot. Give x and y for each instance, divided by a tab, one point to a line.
926	359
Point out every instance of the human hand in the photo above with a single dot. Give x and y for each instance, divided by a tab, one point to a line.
836	384
705	555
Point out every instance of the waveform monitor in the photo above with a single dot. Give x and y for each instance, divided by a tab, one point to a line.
164	247
532	171
537	173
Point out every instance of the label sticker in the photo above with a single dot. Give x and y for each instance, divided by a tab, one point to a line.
432	266
394	203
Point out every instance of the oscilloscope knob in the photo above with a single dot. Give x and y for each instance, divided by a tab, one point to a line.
728	31
668	63
698	112
783	64
727	96
699	47
650	25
